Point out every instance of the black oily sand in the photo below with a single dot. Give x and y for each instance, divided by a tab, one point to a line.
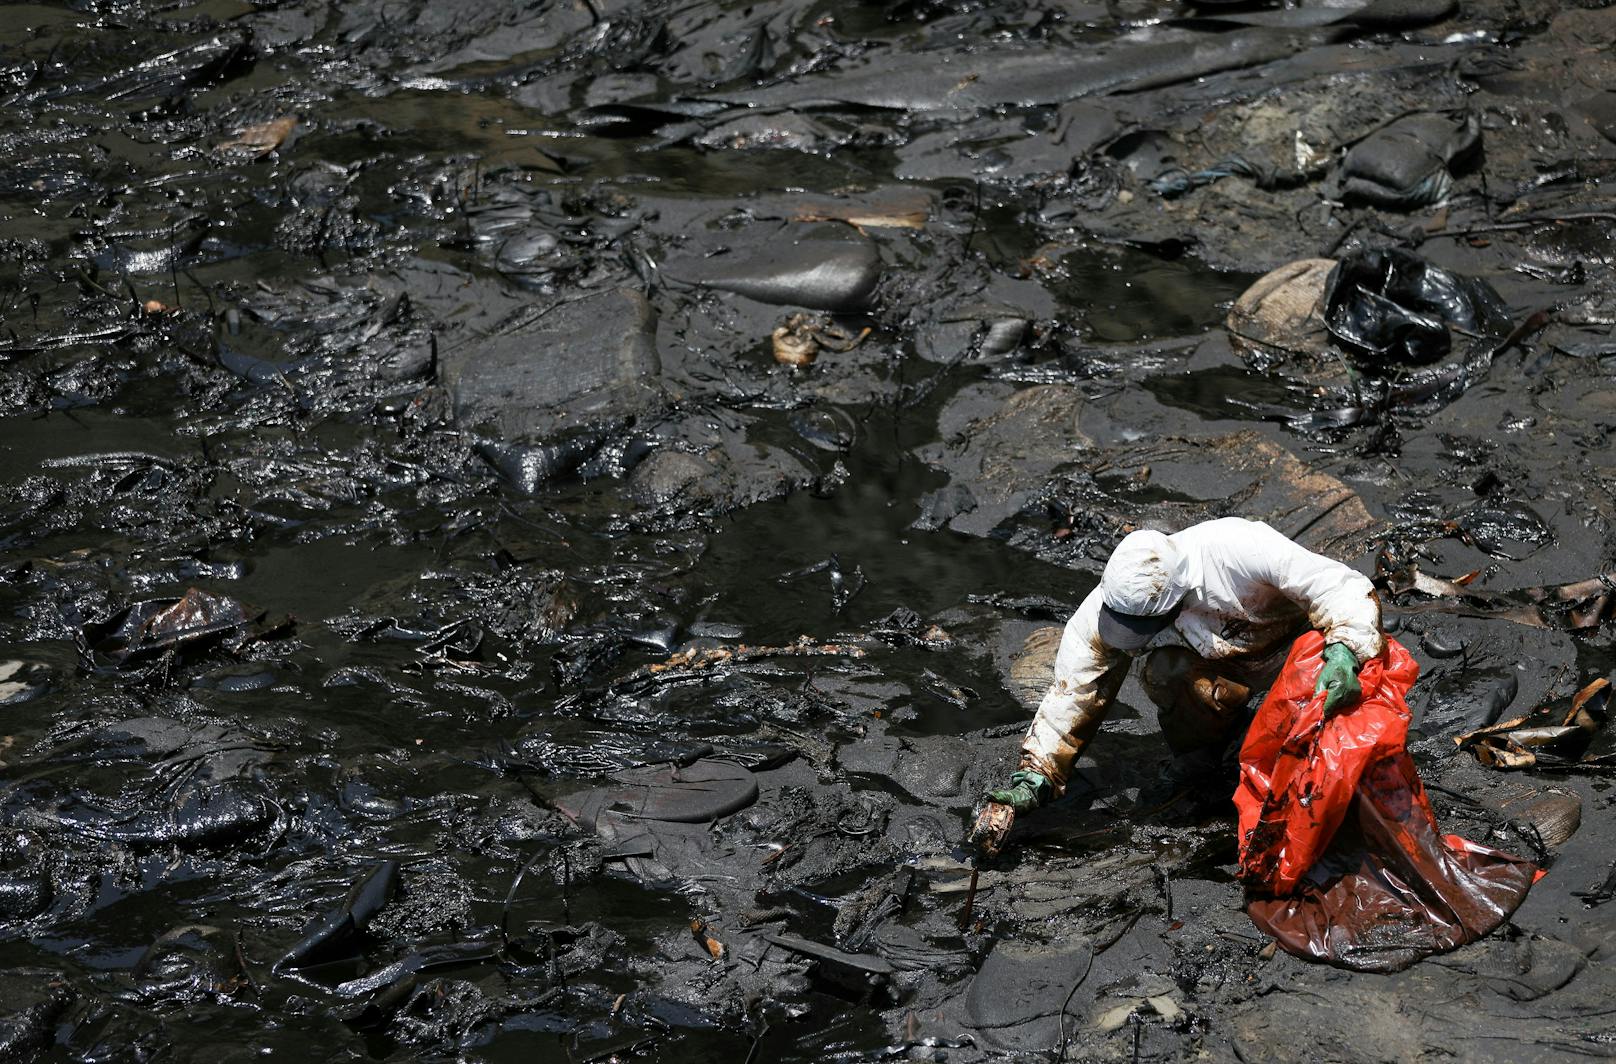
433	626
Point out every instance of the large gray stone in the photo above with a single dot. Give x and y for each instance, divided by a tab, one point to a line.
585	363
815	267
1016	999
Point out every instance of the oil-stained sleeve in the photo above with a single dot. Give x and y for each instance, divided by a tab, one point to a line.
1340	602
1087	676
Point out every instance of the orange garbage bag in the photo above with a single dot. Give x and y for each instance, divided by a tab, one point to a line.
1339	848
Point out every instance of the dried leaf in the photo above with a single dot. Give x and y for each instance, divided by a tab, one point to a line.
1590	706
1492	729
1517	743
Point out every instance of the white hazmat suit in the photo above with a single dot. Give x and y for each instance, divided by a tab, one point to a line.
1244	592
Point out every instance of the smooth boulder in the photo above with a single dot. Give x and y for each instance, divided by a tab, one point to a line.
815	269
584	363
1016	999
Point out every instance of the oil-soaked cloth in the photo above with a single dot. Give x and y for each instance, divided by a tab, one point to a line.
1339	848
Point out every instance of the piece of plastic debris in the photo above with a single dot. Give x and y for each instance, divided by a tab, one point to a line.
1409	162
1391	306
1339	848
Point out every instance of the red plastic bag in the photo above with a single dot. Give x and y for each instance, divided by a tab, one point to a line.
1298	771
1339	848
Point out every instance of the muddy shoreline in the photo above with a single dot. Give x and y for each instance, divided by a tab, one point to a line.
436	622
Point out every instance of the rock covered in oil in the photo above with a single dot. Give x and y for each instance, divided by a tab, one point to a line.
1032	670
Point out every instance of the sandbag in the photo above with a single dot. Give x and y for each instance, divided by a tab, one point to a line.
1408	163
1339	848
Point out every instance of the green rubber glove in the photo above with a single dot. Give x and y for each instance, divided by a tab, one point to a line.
1027	791
1339	678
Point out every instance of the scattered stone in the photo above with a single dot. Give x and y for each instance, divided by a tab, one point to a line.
1016	997
805	266
689	794
672	484
1004	451
583	364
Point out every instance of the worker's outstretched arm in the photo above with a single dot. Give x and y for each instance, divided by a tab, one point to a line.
1087	675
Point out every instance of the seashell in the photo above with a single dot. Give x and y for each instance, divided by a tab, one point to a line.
793	347
1032	669
1556	815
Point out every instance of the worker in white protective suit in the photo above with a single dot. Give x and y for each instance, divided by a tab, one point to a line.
1217	607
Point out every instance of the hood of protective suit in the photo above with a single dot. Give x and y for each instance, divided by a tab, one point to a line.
1147	575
